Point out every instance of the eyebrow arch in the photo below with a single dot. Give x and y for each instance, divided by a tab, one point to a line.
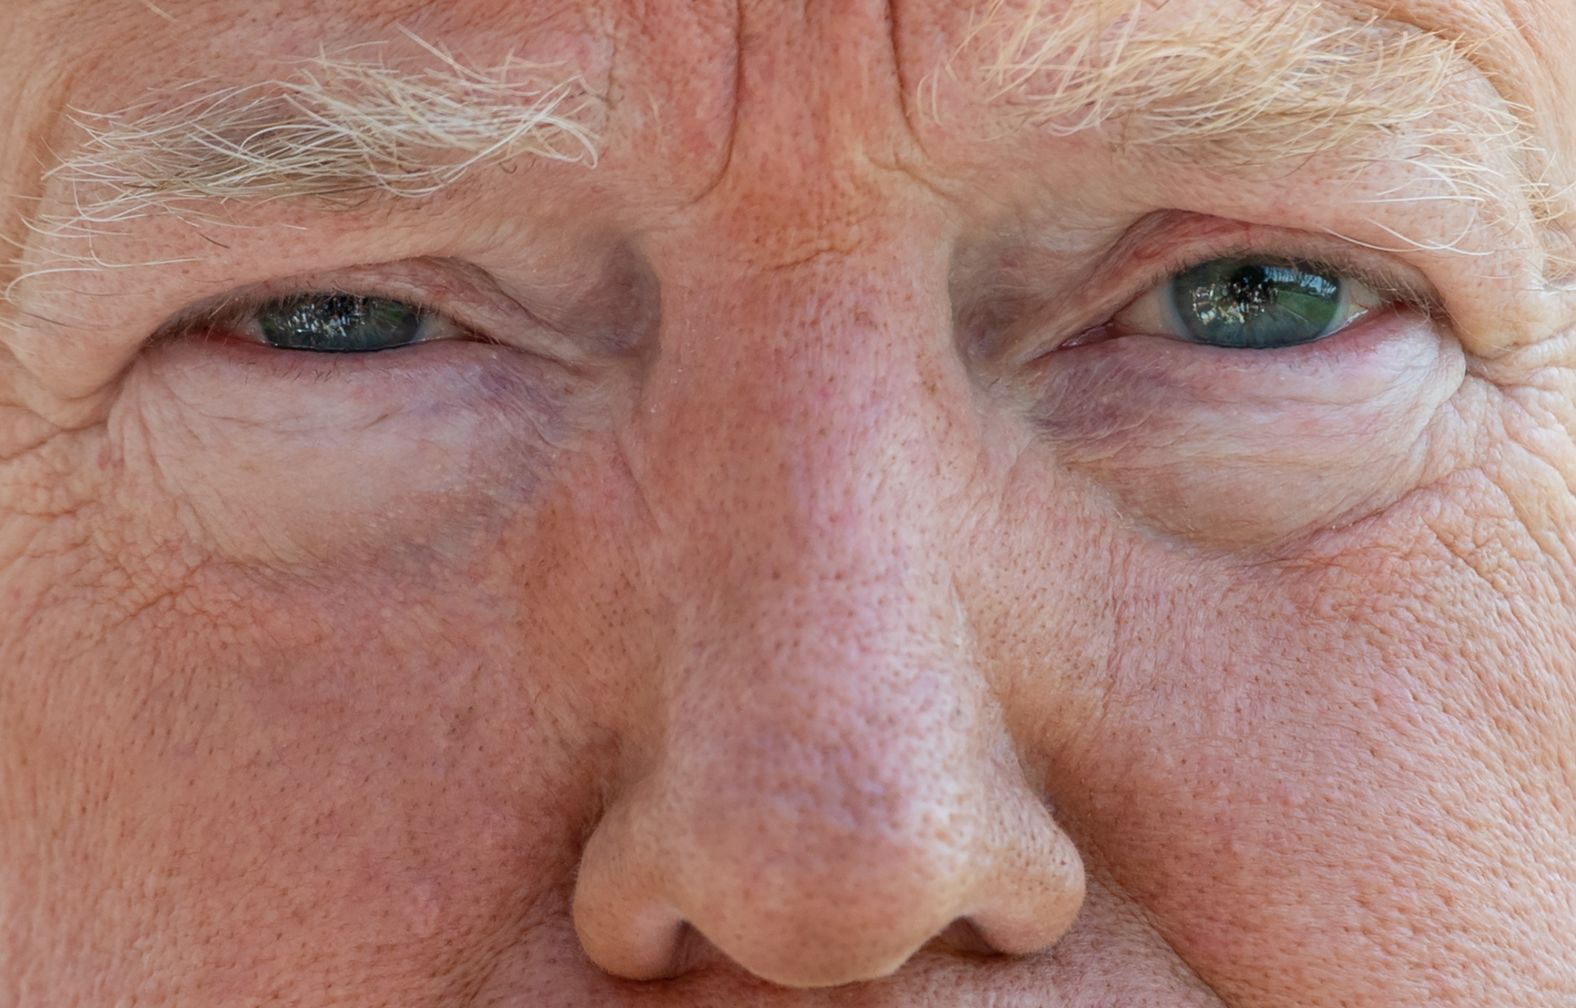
1288	79
1286	83
341	127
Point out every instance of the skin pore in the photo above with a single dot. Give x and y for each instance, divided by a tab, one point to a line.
799	573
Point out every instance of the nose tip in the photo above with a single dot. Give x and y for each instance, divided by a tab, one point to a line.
831	940
800	911
834	873
859	910
783	902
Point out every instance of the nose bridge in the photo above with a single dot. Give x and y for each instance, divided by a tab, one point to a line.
825	649
821	623
802	407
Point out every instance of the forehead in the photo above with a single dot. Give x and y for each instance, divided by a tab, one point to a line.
655	58
678	31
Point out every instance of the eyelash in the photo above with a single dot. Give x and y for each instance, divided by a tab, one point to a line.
1324	253
235	315
1381	281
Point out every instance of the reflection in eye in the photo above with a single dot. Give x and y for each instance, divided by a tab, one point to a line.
1251	304
340	323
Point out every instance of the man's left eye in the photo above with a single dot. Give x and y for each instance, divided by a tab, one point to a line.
343	323
1250	304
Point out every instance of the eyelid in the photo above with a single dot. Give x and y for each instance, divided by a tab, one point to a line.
1139	270
462	295
241	317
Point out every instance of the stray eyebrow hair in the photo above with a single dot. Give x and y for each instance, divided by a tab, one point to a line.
1285	83
341	127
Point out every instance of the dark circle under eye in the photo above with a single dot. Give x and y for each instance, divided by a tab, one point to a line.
1257	304
339	323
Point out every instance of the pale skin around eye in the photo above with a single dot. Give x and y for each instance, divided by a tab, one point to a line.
730	629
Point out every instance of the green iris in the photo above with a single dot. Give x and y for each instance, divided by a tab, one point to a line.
1254	304
339	323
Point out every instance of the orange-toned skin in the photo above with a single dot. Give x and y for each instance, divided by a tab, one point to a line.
896	669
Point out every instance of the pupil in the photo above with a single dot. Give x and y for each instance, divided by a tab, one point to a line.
1252	287
1255	304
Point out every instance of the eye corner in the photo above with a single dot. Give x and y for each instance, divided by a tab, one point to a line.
200	321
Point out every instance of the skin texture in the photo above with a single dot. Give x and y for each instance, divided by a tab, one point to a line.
797	642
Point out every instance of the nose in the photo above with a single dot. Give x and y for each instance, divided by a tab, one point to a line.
823	806
823	781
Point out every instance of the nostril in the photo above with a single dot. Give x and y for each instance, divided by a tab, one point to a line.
963	938
691	952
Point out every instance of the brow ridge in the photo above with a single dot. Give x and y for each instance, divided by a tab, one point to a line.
342	125
1284	84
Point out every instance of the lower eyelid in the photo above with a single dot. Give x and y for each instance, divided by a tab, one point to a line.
405	374
1355	363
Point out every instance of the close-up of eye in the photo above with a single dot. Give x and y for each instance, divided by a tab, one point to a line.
1250	303
341	323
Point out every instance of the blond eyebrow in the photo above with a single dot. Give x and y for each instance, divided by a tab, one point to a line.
1286	83
341	127
1289	80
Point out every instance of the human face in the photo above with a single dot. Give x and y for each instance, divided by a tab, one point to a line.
802	568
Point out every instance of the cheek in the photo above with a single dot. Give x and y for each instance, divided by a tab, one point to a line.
1349	764
294	459
365	766
1239	448
306	666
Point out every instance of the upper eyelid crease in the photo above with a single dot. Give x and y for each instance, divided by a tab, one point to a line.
237	310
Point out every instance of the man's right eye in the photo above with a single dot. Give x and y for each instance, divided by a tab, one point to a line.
342	323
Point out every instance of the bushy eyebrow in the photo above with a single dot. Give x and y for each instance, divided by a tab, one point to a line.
1287	80
1284	83
338	127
